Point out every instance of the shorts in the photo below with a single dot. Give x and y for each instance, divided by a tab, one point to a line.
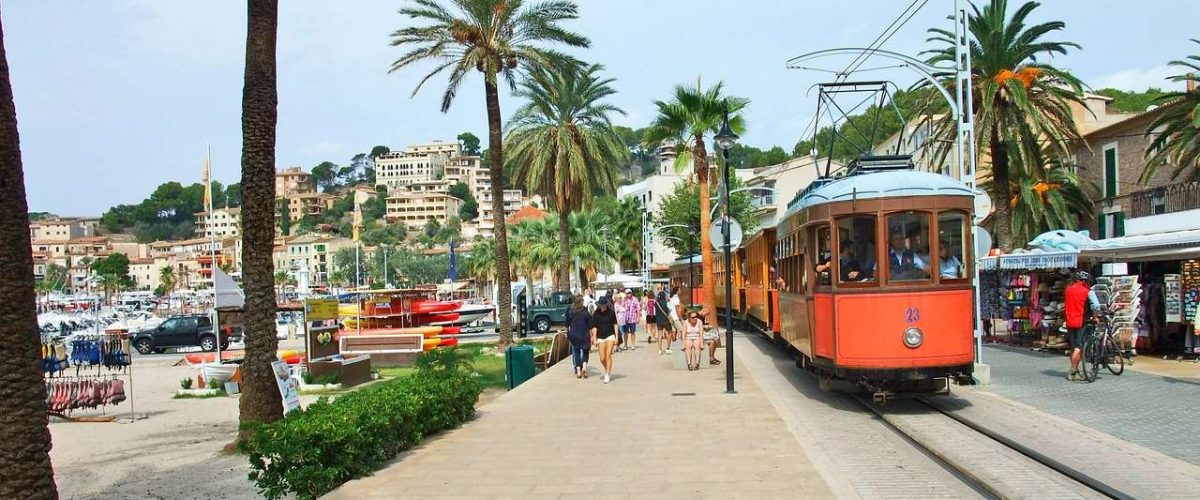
1076	336
610	338
629	328
650	319
665	325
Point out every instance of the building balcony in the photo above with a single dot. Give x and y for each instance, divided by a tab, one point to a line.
763	203
1167	199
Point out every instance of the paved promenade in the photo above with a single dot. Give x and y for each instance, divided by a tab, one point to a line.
654	432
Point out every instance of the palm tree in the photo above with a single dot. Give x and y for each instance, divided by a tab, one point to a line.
595	243
166	278
260	400
1048	198
26	460
1178	128
563	146
625	220
687	118
535	250
1020	102
493	37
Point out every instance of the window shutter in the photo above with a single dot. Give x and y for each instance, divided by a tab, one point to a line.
1103	232
1119	224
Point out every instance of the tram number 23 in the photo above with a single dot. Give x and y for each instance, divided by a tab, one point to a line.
912	315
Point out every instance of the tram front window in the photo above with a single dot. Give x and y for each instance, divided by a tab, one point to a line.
908	247
951	245
856	248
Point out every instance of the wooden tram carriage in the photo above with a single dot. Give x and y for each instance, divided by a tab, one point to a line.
686	276
893	310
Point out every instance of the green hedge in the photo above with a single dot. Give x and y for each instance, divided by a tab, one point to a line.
312	451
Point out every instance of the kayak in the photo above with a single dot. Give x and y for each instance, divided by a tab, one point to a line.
209	357
419	330
430	343
448	342
451	330
433	306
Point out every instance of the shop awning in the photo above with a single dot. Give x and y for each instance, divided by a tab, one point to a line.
1031	260
1174	245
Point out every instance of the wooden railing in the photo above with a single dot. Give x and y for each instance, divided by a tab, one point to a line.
1166	199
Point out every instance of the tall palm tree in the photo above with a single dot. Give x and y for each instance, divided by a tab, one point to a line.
260	401
562	144
1048	198
166	278
690	116
493	37
1020	102
535	248
1178	128
26	457
594	244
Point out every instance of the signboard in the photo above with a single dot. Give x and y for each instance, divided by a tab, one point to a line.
716	234
983	205
1172	298
320	309
289	387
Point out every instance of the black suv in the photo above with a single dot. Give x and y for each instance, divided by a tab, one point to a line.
187	330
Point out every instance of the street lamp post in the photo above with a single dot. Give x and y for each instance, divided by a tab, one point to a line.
725	140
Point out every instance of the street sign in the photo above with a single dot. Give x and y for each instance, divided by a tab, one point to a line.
717	236
983	205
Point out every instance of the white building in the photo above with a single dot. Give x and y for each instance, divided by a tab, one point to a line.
782	182
221	222
513	200
423	162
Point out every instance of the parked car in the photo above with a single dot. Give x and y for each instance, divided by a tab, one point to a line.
284	325
188	330
553	312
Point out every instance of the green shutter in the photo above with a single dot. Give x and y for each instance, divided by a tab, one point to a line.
1110	172
1103	221
1119	224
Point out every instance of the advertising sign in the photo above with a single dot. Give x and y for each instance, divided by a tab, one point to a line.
1172	298
289	387
320	309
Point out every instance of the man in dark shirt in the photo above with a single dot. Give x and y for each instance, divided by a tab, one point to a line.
604	333
850	268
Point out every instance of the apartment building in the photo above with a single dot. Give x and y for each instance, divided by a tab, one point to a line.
61	229
147	272
221	223
292	181
313	253
415	209
773	187
422	162
512	201
300	205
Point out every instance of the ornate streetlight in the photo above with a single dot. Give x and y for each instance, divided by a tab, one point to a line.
725	140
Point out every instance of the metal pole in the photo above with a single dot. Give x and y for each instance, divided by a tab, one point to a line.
385	267
691	263
728	280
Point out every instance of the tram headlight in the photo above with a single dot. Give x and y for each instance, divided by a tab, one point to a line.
913	337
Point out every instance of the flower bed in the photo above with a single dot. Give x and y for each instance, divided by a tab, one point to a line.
312	451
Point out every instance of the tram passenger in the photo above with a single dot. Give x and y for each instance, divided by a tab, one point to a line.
903	263
851	270
949	265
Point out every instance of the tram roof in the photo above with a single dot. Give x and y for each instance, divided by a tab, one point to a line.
888	184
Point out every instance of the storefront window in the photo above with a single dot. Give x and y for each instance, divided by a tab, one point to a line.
908	252
952	245
856	249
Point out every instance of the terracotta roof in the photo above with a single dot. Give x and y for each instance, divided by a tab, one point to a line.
1148	114
526	212
141	261
90	239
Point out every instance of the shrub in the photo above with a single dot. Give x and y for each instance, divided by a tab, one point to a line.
185	383
314	450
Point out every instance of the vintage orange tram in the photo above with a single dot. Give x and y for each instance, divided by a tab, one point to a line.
866	278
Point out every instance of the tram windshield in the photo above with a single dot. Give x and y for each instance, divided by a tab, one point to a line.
952	245
908	250
856	248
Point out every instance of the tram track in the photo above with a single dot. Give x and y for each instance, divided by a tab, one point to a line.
984	460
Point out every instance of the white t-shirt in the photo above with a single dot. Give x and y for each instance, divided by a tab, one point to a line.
674	303
589	303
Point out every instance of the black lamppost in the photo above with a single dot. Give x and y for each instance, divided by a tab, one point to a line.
725	140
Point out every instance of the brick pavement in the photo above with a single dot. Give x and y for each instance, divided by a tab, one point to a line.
1149	410
558	437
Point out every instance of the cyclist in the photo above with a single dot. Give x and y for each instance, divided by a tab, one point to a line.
1081	303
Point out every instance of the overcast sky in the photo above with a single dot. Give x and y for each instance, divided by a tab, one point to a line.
117	96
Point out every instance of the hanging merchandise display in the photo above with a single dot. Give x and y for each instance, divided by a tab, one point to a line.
87	391
1123	295
73	393
1172	298
1189	290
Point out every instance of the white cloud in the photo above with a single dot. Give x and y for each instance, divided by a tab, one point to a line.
1139	79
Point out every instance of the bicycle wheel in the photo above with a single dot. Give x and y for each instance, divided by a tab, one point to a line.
1090	365
1114	359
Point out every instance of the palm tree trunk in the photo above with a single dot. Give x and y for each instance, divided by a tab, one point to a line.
496	173
1001	195
260	401
564	252
25	458
706	257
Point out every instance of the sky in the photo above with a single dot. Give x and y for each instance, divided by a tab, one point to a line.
117	96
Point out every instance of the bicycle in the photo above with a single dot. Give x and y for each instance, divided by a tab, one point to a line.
1100	348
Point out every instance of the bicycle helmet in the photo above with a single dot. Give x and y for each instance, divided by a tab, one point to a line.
1083	276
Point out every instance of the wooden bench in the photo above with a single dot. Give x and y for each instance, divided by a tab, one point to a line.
559	349
385	350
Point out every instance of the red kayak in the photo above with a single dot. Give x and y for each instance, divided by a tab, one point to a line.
448	342
433	306
209	357
451	330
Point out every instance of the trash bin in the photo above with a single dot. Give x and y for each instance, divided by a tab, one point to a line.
518	365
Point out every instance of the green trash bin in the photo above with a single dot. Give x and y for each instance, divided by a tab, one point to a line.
518	365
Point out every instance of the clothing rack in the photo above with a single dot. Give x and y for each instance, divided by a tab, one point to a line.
125	372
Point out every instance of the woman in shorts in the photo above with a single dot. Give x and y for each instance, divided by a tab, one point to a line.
662	319
693	343
604	334
648	307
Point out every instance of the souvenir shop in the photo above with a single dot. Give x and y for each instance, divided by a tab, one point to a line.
88	376
1021	298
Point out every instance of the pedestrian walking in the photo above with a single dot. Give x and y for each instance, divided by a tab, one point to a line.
693	330
648	308
604	334
579	334
631	312
662	320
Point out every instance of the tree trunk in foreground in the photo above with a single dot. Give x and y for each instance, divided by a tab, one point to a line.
564	252
25	456
260	401
1001	195
708	300
496	173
